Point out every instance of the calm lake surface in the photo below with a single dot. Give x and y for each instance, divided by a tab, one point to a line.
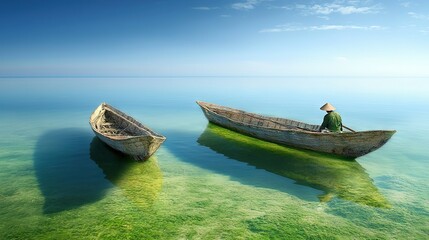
57	181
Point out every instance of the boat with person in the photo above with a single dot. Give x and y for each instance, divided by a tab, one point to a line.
124	133
350	144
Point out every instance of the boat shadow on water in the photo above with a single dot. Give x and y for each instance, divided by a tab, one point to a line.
67	177
72	167
334	176
140	182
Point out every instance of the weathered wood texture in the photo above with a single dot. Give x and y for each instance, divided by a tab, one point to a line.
124	133
296	134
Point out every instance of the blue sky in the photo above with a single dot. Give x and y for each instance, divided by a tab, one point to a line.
214	38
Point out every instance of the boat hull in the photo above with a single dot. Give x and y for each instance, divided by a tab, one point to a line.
347	144
140	148
140	142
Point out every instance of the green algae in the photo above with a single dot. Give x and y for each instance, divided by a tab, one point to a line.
335	176
141	182
195	204
191	201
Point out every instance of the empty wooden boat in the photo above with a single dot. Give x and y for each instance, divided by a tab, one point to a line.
124	133
296	134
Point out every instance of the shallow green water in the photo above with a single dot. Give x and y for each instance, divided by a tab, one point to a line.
59	182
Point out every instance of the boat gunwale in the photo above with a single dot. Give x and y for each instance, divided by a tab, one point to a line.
207	107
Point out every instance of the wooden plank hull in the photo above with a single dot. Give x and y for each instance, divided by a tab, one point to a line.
296	134
124	133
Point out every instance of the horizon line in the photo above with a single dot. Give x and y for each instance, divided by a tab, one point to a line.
208	76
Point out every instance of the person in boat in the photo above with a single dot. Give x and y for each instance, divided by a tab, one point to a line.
332	120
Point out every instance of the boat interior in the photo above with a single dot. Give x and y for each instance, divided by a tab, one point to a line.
112	124
264	121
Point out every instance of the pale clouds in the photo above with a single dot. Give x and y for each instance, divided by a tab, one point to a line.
338	7
291	28
205	8
424	31
345	27
418	16
405	4
342	59
246	5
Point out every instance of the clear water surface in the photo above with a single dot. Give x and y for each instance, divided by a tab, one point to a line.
57	181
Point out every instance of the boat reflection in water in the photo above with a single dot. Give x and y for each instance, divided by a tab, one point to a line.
140	182
335	176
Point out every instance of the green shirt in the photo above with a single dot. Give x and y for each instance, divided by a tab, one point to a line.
332	121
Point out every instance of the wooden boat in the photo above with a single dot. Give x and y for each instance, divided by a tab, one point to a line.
124	133
296	134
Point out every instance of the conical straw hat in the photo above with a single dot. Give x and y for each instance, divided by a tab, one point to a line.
327	107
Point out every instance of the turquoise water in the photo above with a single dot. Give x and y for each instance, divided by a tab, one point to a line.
57	181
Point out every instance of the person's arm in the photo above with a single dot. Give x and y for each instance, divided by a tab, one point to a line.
324	123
